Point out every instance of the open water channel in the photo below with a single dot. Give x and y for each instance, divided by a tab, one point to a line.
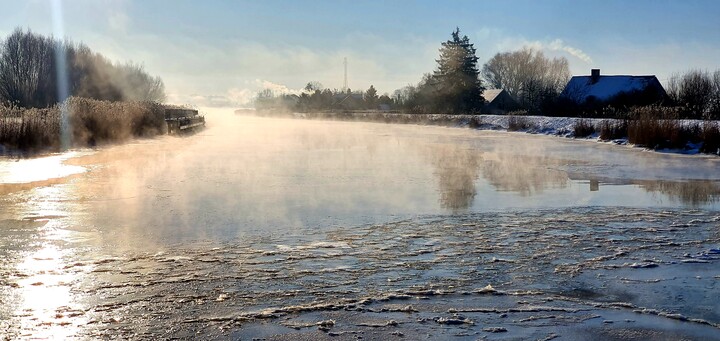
260	228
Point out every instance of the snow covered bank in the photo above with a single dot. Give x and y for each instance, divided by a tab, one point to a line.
558	126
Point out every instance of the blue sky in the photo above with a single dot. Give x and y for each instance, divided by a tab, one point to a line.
222	52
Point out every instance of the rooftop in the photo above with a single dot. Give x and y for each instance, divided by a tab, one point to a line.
490	94
604	87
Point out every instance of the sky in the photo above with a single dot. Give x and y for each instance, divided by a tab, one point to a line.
221	53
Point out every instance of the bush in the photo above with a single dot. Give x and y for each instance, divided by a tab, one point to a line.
475	122
583	128
517	120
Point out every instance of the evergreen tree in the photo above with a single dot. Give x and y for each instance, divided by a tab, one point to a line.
371	97
456	83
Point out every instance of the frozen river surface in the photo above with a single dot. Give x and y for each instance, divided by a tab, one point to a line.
292	229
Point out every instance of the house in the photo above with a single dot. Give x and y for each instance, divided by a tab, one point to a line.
498	102
602	90
348	101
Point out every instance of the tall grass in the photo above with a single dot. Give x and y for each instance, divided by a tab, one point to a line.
658	128
710	135
517	121
583	128
613	129
475	122
91	122
26	129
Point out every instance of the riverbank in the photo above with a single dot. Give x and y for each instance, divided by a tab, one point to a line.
89	122
602	130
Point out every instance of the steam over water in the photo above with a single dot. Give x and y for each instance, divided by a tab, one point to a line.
289	229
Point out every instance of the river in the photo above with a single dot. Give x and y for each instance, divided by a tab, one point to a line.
296	229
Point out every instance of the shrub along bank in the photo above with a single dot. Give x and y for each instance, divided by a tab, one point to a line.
89	122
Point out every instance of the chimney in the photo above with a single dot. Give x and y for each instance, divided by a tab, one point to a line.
594	75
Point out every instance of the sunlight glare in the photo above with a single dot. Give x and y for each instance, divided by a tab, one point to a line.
39	169
45	295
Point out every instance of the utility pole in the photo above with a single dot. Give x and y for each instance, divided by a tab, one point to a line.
345	85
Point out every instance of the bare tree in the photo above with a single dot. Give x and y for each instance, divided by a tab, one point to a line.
137	85
29	73
695	92
527	75
714	111
672	88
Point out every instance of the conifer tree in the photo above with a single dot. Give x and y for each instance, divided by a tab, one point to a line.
456	83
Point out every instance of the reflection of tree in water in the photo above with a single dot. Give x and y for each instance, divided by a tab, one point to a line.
694	192
456	168
522	174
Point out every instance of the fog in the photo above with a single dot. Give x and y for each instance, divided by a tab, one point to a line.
245	176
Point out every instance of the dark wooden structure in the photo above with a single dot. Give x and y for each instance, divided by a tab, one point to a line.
181	119
498	102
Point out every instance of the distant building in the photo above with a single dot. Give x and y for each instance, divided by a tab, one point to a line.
600	90
348	101
498	102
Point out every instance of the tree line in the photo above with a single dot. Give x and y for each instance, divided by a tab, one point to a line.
454	87
532	79
315	97
31	74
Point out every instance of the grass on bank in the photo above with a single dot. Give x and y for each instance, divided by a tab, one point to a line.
90	122
655	128
583	128
518	121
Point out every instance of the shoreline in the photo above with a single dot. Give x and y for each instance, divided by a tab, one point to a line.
537	125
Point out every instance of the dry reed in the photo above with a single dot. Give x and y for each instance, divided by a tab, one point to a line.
90	122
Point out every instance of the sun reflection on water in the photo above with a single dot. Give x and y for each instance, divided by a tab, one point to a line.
46	307
38	169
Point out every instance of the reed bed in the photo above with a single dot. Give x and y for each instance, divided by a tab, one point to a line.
89	122
659	128
710	135
613	129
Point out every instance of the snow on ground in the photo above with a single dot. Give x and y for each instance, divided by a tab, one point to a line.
564	126
558	126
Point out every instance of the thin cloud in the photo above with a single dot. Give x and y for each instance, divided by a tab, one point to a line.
559	45
500	41
235	97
